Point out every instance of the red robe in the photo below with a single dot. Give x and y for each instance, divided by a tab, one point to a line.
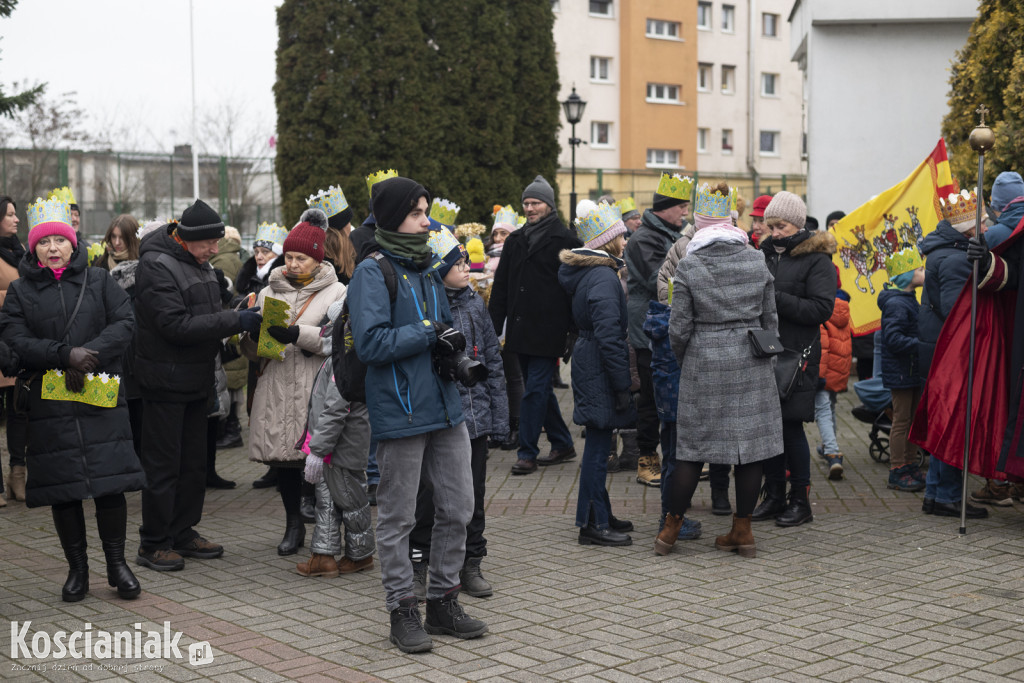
940	422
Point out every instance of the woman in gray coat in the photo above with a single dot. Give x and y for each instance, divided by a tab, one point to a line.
728	402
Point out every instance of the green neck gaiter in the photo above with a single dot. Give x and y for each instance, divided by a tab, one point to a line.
411	246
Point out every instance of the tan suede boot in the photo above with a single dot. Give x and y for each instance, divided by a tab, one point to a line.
319	565
16	482
740	538
347	566
668	534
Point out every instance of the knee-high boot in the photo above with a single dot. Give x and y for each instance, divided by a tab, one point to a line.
112	524
70	523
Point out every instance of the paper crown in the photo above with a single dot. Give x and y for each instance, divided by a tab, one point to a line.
331	201
599	221
378	176
960	208
62	193
442	242
711	202
53	210
903	261
444	211
626	205
271	233
507	215
675	186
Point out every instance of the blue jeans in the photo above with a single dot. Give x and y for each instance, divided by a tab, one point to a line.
593	495
372	471
943	483
825	416
539	408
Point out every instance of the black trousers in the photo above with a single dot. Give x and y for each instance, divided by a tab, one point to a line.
476	544
17	430
174	458
648	426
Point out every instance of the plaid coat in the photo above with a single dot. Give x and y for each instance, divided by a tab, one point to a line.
729	410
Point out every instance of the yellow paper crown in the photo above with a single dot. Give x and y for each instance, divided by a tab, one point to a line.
270	233
53	210
444	211
378	176
903	261
62	193
331	201
960	208
675	186
711	202
626	204
443	242
599	221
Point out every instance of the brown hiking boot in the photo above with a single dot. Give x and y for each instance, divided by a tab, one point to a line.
648	470
740	538
347	566
668	534
993	493
319	565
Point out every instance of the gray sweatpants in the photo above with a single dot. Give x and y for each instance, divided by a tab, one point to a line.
443	457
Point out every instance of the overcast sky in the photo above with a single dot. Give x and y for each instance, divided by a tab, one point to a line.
128	60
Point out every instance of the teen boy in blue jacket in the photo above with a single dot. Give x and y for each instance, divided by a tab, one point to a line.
415	415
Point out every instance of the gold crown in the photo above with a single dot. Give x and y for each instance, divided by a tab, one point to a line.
507	215
64	194
960	208
331	201
711	202
444	211
378	176
626	204
675	186
903	261
54	210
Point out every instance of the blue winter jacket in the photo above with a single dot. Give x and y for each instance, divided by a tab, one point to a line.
900	368
664	366
485	404
404	394
1006	224
600	358
946	270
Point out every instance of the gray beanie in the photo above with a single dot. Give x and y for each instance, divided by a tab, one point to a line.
788	207
540	189
1007	187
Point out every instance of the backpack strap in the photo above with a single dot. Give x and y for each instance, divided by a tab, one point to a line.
388	270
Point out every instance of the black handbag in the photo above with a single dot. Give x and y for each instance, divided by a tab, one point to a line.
764	343
788	366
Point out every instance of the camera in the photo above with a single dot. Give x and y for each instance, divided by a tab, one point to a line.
458	367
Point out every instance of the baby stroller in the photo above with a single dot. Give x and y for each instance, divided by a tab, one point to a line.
875	410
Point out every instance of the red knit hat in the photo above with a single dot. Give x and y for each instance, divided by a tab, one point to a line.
760	204
306	239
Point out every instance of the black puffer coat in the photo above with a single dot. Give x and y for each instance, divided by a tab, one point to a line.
180	321
75	451
946	271
526	294
805	294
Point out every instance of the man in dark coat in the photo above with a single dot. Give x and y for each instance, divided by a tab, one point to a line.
533	311
659	229
180	326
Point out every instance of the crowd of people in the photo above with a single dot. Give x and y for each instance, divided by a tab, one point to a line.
375	371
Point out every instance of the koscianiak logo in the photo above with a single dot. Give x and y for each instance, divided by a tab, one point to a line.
92	644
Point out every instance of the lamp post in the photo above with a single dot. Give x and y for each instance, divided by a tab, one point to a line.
573	107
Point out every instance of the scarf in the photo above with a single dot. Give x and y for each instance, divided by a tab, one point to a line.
177	238
299	281
115	257
714	230
784	244
409	246
57	272
11	250
263	271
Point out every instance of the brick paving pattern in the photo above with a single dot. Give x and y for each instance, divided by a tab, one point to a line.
871	590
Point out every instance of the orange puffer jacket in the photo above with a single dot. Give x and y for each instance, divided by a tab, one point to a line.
837	348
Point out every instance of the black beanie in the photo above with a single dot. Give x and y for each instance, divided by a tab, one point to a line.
662	202
394	199
339	220
200	222
835	215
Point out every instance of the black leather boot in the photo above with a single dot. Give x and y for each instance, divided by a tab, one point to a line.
294	535
512	442
799	509
720	504
268	479
112	524
70	523
773	502
232	437
214	480
307	504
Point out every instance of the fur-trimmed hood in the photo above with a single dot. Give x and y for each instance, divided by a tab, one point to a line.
589	258
124	273
820	242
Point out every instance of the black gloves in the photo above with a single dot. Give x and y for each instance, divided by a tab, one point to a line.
83	359
225	286
976	251
285	335
623	400
74	380
250	320
450	342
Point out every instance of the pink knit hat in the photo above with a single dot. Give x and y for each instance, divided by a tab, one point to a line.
49	228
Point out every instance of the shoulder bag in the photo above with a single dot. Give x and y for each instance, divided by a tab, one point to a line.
764	343
788	366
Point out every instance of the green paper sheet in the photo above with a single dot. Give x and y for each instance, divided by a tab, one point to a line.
275	312
100	390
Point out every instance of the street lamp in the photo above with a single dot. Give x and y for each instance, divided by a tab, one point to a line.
573	107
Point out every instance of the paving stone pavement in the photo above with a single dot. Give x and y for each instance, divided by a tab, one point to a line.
871	590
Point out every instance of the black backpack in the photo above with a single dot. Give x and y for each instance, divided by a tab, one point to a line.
349	371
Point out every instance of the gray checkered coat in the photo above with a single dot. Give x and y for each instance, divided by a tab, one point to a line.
729	409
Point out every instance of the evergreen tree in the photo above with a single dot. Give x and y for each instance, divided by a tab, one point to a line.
10	104
989	70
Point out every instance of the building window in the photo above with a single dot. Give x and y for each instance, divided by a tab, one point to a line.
704	15
727	141
728	19
770	142
600	69
704	77
667	30
601	8
600	134
702	140
660	92
663	158
728	79
770	25
770	85
556	6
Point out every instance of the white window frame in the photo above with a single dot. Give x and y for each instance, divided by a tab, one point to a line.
662	93
610	14
776	138
702	140
728	133
670	158
659	29
705	77
767	78
728	84
728	18
708	18
775	24
595	69
594	127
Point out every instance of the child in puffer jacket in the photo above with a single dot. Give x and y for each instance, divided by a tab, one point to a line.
833	376
336	444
